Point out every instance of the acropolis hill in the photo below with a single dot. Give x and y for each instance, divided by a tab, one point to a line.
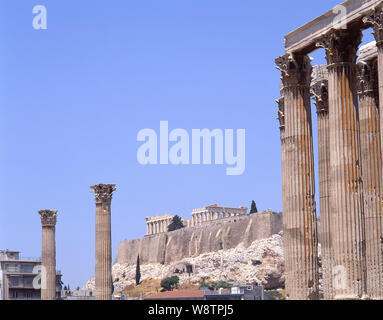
203	236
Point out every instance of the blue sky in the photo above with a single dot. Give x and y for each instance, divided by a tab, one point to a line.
74	97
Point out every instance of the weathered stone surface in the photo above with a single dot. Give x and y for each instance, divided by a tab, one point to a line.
221	234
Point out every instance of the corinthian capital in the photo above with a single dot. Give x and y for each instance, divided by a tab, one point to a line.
375	20
103	192
319	88
320	93
368	77
48	217
341	45
295	69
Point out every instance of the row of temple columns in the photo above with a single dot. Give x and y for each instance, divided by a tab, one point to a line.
155	227
205	216
350	164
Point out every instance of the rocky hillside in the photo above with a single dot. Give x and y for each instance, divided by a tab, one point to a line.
261	261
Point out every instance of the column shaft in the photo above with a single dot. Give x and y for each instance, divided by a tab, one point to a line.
103	268
320	92
299	209
372	176
48	254
346	198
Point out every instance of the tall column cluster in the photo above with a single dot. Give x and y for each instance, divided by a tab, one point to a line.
348	95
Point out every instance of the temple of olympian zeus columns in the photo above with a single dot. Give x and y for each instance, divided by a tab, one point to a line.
103	270
347	94
48	254
159	224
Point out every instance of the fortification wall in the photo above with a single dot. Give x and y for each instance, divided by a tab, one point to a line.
224	234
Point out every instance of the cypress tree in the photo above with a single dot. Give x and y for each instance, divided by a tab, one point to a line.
138	271
253	207
176	224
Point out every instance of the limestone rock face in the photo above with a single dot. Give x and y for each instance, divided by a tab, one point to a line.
170	247
261	262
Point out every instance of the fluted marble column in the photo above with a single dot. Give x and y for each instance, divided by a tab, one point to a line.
103	273
299	209
375	20
281	118
48	254
319	91
346	187
372	174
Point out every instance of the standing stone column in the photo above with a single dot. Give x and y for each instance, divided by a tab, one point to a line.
299	208
103	197
48	254
375	20
346	198
319	90
281	118
372	175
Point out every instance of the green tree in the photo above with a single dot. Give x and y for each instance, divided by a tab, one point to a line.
204	284
253	208
138	271
168	284
275	295
176	224
222	285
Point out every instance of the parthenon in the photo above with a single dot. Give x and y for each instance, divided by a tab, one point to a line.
215	212
159	224
349	155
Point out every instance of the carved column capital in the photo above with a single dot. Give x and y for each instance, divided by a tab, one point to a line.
296	70
48	217
320	93
341	45
368	77
375	20
103	192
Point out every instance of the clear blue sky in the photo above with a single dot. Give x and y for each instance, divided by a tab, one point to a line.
73	98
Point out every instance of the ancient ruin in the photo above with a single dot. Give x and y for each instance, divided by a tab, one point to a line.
349	154
103	273
159	224
48	254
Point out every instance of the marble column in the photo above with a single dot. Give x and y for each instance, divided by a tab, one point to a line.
346	187
375	20
299	208
103	271
370	141
48	254
319	91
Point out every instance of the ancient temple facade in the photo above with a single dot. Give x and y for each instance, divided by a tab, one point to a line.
205	215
